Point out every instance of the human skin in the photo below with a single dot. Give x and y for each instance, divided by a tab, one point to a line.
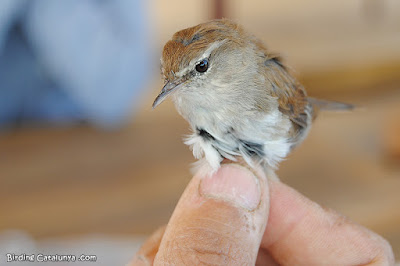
240	217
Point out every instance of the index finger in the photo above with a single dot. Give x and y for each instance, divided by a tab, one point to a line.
300	232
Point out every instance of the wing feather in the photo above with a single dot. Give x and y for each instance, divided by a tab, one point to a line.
292	97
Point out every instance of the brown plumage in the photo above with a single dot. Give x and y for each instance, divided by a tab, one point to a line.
188	43
238	97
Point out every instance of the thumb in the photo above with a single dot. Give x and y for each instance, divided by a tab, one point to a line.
219	220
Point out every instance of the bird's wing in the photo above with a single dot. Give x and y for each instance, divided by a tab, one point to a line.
292	97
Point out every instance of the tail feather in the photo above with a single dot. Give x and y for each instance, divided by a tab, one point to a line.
325	105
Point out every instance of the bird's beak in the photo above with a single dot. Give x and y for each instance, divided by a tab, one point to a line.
166	90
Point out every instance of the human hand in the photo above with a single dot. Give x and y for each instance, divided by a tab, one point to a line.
236	218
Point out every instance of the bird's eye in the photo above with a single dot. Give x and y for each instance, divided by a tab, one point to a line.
202	66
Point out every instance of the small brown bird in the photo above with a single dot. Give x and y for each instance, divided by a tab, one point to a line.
239	98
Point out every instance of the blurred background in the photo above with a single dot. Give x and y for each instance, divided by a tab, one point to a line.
87	167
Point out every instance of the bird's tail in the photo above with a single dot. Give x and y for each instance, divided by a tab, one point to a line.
324	105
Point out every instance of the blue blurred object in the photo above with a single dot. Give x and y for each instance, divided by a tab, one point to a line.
66	61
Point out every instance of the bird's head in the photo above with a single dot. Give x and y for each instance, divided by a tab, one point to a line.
197	55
